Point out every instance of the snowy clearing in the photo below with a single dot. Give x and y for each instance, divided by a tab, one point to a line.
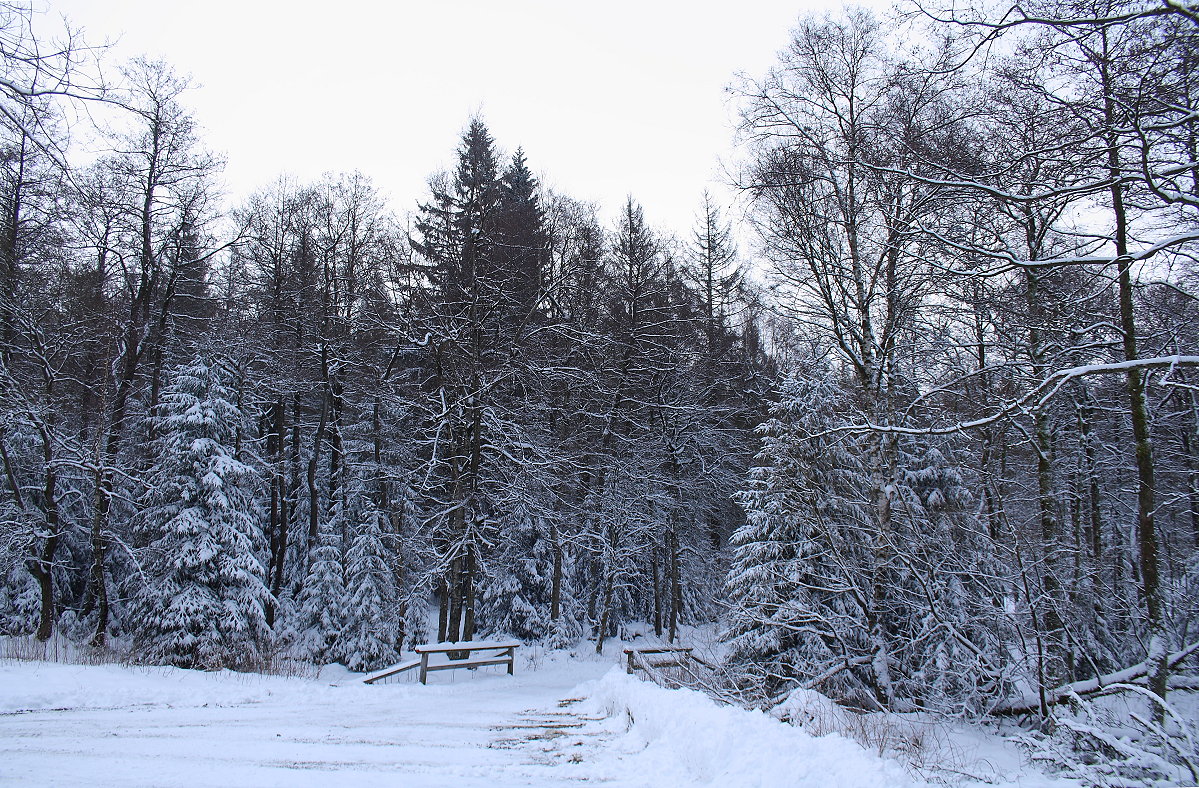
560	720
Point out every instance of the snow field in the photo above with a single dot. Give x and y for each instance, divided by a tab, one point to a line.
563	719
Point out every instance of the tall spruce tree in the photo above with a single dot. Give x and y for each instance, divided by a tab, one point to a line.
789	608
368	639
521	242
320	611
468	335
203	603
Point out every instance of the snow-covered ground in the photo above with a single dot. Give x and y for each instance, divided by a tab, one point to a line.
561	720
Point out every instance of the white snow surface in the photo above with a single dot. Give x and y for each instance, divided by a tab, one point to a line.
682	738
72	725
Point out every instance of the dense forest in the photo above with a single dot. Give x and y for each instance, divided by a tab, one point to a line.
930	440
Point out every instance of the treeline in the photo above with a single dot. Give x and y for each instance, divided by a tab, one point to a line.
962	474
292	426
978	490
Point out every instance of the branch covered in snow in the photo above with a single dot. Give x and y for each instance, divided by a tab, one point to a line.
1028	704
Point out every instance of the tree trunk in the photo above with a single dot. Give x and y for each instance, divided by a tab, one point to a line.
556	581
111	444
1146	534
1189	432
443	609
876	618
676	588
468	595
45	575
338	498
314	500
1091	470
656	572
279	509
10	253
453	633
606	615
99	589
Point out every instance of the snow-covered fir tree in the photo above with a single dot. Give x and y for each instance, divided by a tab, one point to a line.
411	557
516	600
369	637
899	614
319	611
203	602
948	625
18	602
781	621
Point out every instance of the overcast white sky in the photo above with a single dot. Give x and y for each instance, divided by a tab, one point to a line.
607	98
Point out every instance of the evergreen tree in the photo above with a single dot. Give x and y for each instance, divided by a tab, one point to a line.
785	615
320	611
203	604
516	599
521	242
808	585
471	337
369	638
456	228
713	272
18	601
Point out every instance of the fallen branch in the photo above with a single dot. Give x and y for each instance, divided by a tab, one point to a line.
816	681
1032	702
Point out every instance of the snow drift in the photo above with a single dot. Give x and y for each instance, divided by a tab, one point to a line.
682	737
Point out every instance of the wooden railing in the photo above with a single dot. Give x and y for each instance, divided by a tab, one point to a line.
391	671
502	652
505	655
657	657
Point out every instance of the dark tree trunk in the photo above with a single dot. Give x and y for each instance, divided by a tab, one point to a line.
443	610
556	581
606	615
337	487
1094	535
676	587
276	438
656	572
314	498
468	595
1188	431
1146	534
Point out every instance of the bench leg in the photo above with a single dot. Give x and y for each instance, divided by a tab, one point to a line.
511	660
424	667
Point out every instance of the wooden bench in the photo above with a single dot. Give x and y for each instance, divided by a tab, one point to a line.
675	656
505	654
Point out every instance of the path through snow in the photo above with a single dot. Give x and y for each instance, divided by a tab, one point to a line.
85	725
73	725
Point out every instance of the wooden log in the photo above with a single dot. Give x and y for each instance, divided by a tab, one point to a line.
663	662
680	653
